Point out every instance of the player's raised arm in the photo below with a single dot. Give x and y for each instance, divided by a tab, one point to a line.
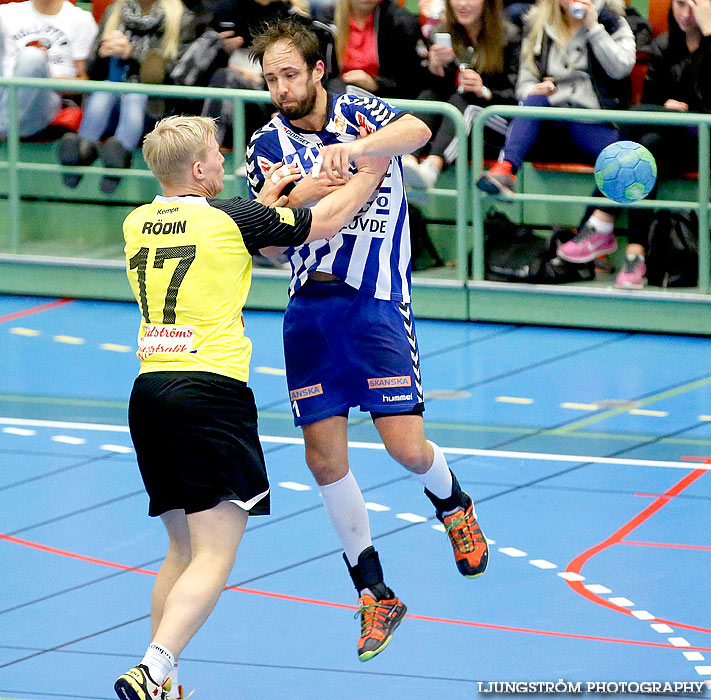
403	135
263	227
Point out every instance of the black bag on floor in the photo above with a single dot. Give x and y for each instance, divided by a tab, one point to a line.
672	257
424	253
516	254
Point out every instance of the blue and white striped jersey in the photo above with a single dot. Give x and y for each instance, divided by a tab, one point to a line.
371	253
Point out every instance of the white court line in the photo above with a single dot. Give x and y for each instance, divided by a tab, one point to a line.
64	424
466	451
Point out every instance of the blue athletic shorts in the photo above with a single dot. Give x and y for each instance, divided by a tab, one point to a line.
344	348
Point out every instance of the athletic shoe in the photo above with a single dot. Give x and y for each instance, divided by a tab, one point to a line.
137	684
587	245
471	552
179	694
499	179
74	150
420	176
378	621
114	155
631	276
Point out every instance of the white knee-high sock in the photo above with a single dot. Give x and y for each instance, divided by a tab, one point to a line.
347	512
159	662
437	479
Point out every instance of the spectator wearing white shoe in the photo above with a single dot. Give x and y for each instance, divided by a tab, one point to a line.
576	53
472	63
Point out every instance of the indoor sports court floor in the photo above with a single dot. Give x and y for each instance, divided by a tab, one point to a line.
587	453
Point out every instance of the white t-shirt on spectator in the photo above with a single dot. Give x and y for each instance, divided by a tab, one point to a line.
68	36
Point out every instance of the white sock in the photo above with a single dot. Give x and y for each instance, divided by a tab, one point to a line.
174	681
347	512
438	478
159	662
601	226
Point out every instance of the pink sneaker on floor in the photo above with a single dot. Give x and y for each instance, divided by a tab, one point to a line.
631	276
587	245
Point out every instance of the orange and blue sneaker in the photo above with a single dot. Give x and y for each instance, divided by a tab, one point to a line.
137	684
378	620
456	513
381	611
471	551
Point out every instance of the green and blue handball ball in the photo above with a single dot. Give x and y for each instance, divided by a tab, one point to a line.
625	171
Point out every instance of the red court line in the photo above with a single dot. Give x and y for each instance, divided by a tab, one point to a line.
667	544
35	310
616	538
72	555
330	604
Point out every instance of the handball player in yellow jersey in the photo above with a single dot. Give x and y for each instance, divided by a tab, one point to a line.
192	417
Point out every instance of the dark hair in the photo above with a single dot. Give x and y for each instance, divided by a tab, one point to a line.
677	37
296	33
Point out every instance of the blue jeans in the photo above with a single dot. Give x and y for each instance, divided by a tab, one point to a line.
524	133
99	110
36	108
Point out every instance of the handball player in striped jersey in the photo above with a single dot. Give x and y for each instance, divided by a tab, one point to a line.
349	333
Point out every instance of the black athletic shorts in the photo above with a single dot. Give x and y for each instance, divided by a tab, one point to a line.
196	440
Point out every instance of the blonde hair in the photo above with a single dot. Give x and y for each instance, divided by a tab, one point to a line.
301	7
548	15
175	144
342	20
171	33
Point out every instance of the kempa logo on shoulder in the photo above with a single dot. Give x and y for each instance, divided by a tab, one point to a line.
305	392
386	382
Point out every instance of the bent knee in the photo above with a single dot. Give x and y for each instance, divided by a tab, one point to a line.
31	63
536	101
325	469
413	457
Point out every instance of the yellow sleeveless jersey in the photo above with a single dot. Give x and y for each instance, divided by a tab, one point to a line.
189	264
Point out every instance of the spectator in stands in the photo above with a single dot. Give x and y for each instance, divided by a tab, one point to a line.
377	45
42	39
237	21
576	53
678	81
478	69
138	42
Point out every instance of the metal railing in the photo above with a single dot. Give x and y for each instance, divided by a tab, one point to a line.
13	165
469	201
700	205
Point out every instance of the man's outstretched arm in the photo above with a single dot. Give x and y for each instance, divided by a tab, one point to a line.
402	135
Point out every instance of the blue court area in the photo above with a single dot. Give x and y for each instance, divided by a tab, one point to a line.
587	453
